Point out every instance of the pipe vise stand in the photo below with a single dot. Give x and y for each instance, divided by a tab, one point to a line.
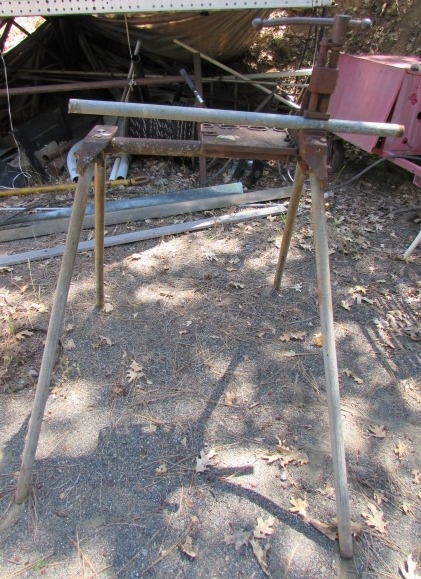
309	131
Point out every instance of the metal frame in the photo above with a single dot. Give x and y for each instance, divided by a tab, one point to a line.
70	7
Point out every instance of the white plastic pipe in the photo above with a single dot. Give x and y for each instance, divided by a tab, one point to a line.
72	162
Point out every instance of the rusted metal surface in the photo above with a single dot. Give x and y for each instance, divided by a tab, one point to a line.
251	142
93	144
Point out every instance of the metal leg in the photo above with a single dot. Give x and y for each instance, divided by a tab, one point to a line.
297	188
331	368
53	334
99	229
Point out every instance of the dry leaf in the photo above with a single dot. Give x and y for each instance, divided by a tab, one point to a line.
292	336
353	376
23	289
346	304
380	497
327	492
239	538
290	455
135	372
107	308
264	528
134	257
211	257
400	450
377	430
230	398
408	568
330	531
188	548
23	334
298	506
416	476
375	519
205	460
318	340
236	284
359	289
406	508
106	341
70	344
162	469
261	555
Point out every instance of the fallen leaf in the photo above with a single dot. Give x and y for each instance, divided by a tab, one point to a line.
203	461
211	257
377	430
408	568
416	476
400	450
236	284
188	548
230	398
239	538
375	519
353	376
23	334
330	531
107	308
290	455
23	289
318	340
162	469
105	341
134	257
380	497
261	555
298	506
41	308
70	344
135	371
297	287
346	304
263	528
406	508
327	492
359	289
292	336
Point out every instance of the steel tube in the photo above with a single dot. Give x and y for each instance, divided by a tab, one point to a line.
146	111
260	23
99	188
95	84
53	335
331	367
297	189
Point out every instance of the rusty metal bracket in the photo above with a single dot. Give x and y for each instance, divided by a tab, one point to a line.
93	144
313	151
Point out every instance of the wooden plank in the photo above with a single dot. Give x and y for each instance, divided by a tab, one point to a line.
135	236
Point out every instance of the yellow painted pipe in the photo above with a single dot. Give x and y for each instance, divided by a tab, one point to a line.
67	187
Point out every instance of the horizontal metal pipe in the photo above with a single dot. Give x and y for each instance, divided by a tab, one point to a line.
244	118
260	23
95	84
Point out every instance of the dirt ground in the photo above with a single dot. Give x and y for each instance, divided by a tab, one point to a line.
186	430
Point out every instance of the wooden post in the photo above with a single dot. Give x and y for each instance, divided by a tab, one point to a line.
53	335
331	367
99	229
297	188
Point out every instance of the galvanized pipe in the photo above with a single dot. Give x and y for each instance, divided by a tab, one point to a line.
99	189
260	23
53	335
297	189
331	367
198	115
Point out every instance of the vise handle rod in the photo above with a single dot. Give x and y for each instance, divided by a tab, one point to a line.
260	23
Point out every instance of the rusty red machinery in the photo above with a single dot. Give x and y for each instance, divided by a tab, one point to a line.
384	88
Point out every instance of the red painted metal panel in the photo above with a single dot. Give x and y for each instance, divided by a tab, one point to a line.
366	91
